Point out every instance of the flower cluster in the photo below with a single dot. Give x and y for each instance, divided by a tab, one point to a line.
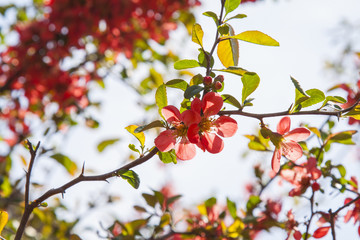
302	177
196	126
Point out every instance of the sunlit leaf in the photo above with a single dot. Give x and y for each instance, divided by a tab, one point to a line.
228	51
252	203
203	59
196	80
177	83
104	144
231	5
197	34
66	162
354	113
256	37
344	137
250	82
231	207
234	70
133	148
161	97
315	95
130	176
3	220
186	63
210	202
151	200
213	16
168	157
139	136
165	220
237	16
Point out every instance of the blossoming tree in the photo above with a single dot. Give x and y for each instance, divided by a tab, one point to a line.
35	84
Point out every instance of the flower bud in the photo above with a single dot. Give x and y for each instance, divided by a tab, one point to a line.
207	80
315	186
217	85
220	78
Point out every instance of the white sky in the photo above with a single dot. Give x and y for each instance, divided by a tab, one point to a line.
304	29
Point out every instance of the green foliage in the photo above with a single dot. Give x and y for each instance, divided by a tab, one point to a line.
168	157
186	63
130	176
161	97
66	162
192	91
231	207
252	203
104	144
177	83
231	100
256	37
237	16
234	70
213	16
250	82
231	5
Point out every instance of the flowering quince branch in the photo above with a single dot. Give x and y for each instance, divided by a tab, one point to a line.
30	206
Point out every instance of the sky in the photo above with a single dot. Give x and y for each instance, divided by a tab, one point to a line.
305	30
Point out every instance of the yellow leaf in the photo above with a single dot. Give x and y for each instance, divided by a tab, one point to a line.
140	136
228	51
197	34
3	219
256	37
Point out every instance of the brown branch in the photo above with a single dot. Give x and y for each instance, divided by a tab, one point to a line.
81	178
28	173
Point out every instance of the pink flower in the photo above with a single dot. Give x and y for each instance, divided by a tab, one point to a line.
285	142
176	135
205	132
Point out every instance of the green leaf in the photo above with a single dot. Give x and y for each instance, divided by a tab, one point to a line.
196	80
130	176
231	100
252	203
237	16
231	207
344	137
66	162
342	170
316	96
354	113
133	148
231	5
177	83
203	60
210	202
104	144
165	220
161	97
297	85
192	91
234	70
154	124
4	216
224	29
213	16
228	50
139	136
186	63
250	82
168	157
197	34
139	208
336	99
151	200
256	37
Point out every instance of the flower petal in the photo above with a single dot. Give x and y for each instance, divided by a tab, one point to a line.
171	114
211	104
275	161
189	117
185	150
284	125
165	141
196	105
298	134
291	150
288	175
212	142
226	126
193	133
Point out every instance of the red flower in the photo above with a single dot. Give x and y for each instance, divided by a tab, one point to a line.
321	232
300	177
176	136
285	142
205	132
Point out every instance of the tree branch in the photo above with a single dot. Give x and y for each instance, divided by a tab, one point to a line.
81	178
